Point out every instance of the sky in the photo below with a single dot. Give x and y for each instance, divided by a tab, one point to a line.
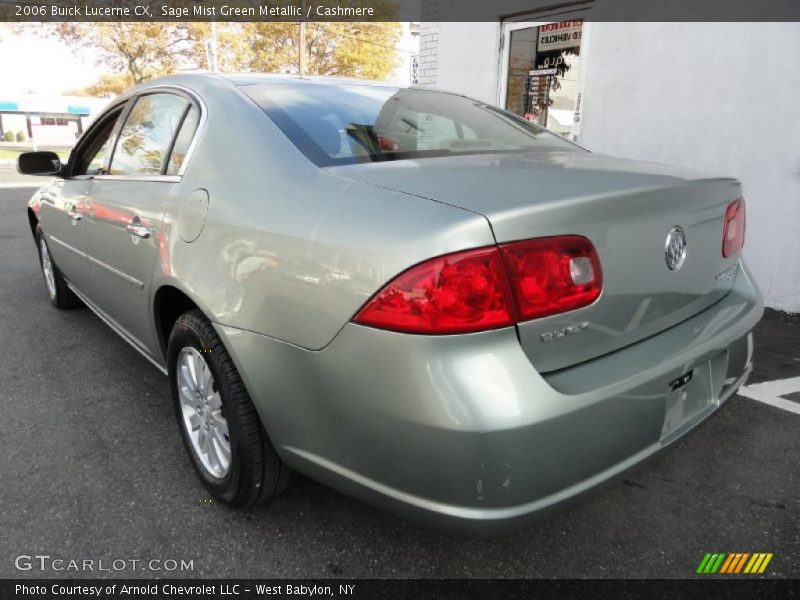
50	66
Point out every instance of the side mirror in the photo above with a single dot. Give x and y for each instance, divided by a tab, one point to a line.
39	163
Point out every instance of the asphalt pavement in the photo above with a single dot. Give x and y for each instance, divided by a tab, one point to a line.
10	178
92	467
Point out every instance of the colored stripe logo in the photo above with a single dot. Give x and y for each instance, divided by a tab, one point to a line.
735	562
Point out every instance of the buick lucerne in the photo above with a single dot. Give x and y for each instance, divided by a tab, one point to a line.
409	295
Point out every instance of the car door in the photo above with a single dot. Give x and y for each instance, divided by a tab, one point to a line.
64	201
124	213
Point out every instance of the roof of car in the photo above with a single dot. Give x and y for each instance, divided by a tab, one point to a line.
240	79
248	79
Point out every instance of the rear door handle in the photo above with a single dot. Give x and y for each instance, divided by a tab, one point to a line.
136	228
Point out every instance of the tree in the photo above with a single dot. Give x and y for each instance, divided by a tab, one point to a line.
142	50
138	51
349	49
110	84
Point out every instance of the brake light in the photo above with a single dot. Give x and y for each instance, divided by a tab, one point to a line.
488	288
553	275
455	293
733	229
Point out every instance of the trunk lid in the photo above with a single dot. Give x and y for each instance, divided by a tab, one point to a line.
626	208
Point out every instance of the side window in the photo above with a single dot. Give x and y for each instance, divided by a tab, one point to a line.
93	156
183	141
147	134
97	161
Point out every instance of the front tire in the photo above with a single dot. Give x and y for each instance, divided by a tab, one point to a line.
57	289
228	446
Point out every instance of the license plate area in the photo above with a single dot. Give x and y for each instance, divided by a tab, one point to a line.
693	392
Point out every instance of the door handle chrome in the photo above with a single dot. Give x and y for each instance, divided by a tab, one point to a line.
138	230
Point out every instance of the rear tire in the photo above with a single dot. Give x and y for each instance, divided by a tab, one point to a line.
229	448
57	289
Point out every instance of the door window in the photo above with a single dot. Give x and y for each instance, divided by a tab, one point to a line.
147	134
94	153
183	141
96	162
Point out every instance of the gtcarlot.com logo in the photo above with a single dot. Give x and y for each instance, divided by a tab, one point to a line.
734	563
45	562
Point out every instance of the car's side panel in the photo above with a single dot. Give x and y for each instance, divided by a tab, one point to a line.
121	262
62	216
287	250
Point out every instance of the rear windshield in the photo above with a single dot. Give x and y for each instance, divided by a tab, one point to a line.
346	124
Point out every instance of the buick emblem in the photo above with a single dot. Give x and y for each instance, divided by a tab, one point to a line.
675	250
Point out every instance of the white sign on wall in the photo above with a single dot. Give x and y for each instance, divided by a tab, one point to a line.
415	69
557	36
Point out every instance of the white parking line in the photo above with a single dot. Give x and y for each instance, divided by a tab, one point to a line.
779	387
767	393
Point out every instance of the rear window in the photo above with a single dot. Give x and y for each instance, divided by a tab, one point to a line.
346	124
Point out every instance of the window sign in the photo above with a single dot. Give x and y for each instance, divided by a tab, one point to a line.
557	36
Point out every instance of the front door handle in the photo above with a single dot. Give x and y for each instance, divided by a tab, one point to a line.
138	230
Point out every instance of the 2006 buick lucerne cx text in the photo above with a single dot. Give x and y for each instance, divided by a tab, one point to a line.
407	294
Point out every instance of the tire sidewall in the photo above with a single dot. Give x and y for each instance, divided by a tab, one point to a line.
39	241
186	335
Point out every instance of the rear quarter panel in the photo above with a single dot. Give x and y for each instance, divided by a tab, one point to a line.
287	250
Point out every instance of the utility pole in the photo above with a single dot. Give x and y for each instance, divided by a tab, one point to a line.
301	46
212	48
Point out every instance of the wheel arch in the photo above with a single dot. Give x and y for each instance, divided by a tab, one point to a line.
33	220
169	303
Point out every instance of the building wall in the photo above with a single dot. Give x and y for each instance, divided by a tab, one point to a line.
720	97
465	57
428	53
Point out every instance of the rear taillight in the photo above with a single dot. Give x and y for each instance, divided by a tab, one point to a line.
733	229
553	275
488	288
455	293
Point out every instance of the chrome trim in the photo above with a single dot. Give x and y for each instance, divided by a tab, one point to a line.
148	178
67	246
675	248
117	272
138	230
118	329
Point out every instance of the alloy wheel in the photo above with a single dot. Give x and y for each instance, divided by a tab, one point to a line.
202	411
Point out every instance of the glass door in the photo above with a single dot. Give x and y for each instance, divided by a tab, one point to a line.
540	78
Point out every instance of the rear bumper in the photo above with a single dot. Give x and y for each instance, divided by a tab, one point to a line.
462	431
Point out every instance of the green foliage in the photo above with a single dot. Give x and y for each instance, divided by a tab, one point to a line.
9	136
136	52
21	137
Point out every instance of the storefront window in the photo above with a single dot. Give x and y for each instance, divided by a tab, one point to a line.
543	75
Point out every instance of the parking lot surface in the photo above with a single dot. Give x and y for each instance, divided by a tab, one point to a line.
92	466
